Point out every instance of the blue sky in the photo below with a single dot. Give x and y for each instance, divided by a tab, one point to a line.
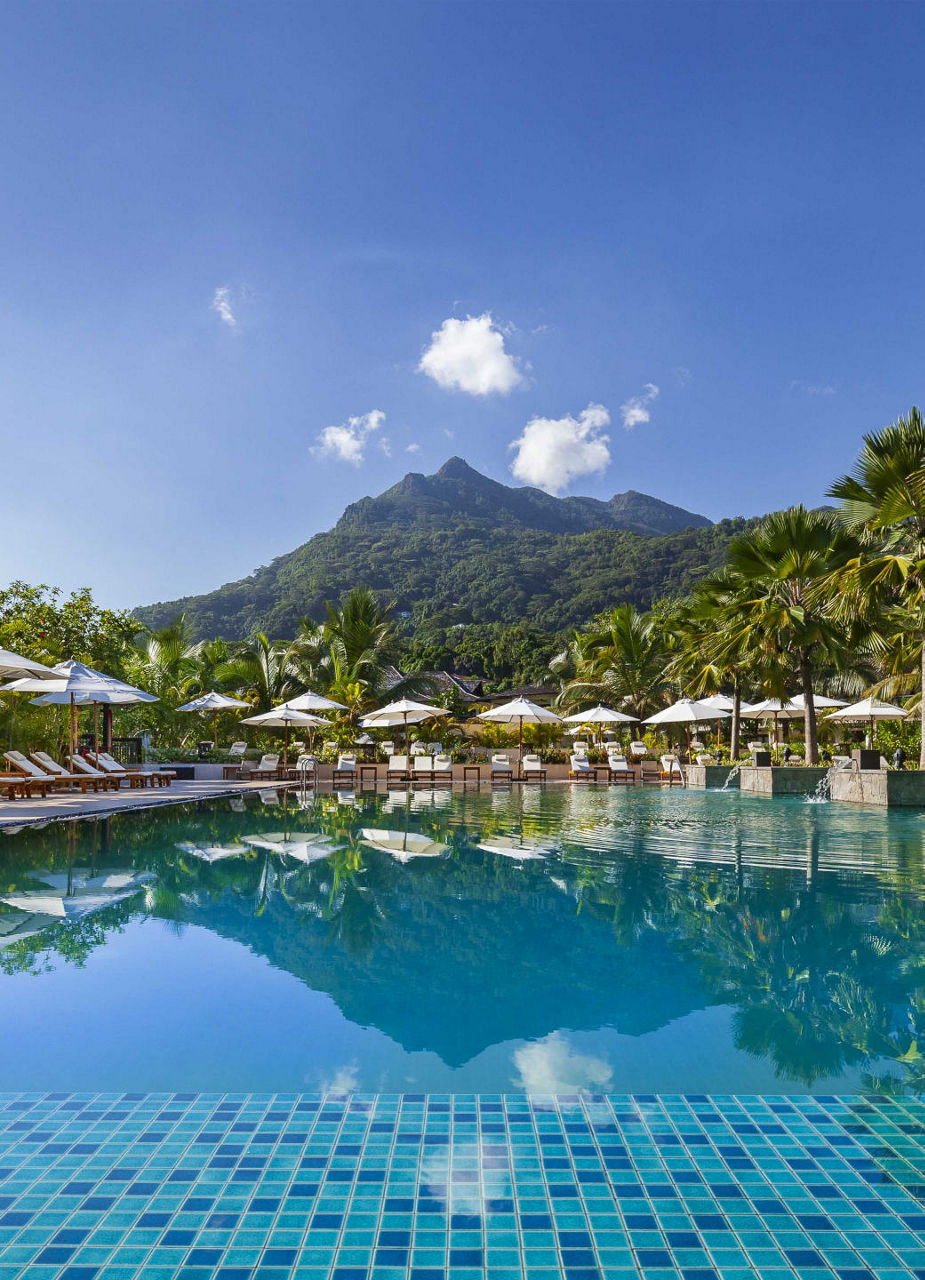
227	228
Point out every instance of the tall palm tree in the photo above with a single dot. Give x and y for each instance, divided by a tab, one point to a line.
790	616
883	500
621	658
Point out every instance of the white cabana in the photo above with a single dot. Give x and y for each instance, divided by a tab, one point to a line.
520	711
282	718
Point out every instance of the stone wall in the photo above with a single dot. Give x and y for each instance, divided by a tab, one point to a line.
902	788
782	780
701	776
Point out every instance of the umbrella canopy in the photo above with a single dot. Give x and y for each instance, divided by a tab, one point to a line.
687	711
76	684
281	718
723	702
313	702
819	700
520	711
213	702
600	715
870	709
403	712
785	708
14	667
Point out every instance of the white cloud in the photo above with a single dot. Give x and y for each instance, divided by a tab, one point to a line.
553	451
635	412
385	444
469	355
813	389
347	441
412	448
551	1065
221	305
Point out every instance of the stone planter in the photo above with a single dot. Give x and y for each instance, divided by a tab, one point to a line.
701	776
888	789
781	780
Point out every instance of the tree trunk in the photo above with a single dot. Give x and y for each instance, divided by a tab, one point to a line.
809	710
922	745
736	720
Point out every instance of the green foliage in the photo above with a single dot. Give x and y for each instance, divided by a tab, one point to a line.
42	623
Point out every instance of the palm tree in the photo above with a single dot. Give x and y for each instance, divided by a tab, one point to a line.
267	673
883	500
622	658
713	643
788	611
166	661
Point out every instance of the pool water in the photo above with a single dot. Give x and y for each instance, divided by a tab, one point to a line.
550	941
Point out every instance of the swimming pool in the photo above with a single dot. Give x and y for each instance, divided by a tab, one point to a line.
559	941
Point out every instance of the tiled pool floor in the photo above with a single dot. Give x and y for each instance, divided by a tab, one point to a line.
112	1186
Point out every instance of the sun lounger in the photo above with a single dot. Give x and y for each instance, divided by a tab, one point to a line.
638	750
13	785
670	770
267	767
55	770
91	773
306	769
423	769
501	770
387	749
346	771
533	769
706	757
649	771
237	750
619	770
56	781
396	770
109	764
134	777
581	767
443	767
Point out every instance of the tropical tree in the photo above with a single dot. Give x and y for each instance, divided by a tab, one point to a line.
622	658
883	501
265	672
165	661
787	609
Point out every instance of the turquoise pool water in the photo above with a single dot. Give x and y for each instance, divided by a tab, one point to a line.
554	941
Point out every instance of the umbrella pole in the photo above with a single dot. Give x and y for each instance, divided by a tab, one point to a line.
96	729
286	744
214	729
72	729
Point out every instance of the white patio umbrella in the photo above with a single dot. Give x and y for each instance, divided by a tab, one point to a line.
819	701
313	702
520	848
282	718
600	715
777	709
687	711
403	712
77	685
723	702
14	667
872	710
214	702
520	711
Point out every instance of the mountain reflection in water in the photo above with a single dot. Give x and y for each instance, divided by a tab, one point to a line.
502	933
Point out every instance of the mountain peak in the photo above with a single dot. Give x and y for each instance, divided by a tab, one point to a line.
457	468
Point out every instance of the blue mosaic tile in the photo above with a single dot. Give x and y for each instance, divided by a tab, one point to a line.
191	1187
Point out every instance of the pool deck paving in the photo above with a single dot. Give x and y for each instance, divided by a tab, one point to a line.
191	1186
71	805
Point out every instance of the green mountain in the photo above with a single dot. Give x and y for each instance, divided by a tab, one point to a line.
470	549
